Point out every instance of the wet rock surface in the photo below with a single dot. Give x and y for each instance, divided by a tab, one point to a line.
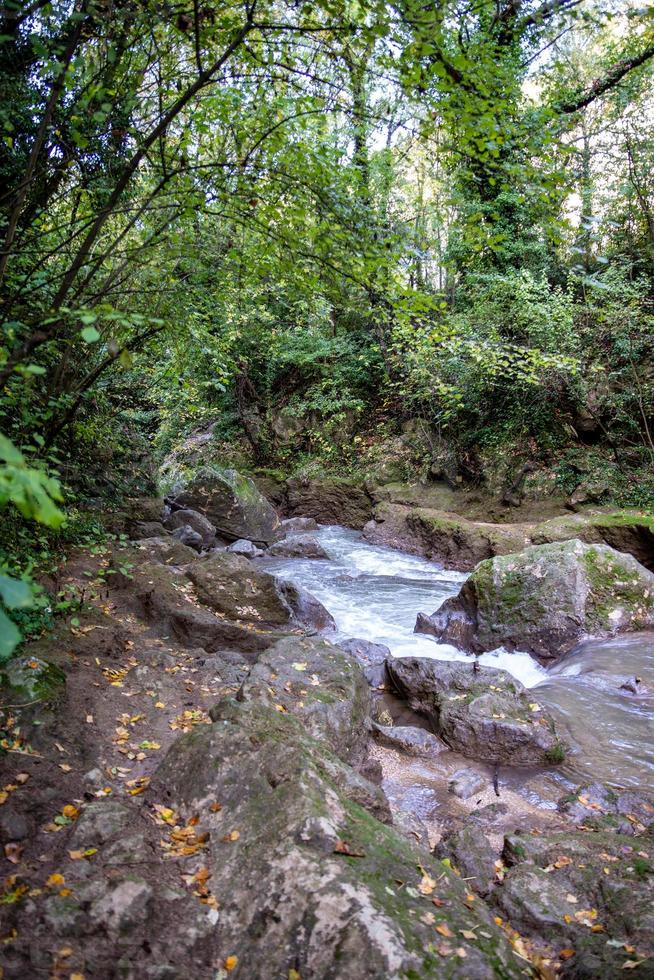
546	600
297	546
484	714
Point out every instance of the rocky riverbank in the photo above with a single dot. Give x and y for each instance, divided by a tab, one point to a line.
198	782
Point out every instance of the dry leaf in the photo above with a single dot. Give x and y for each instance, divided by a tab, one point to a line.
567	953
54	880
232	836
444	930
13	852
342	847
427	884
230	963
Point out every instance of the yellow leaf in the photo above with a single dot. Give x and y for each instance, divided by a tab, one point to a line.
230	963
65	892
444	930
54	880
302	666
70	811
427	884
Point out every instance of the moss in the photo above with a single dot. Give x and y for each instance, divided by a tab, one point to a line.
30	679
556	754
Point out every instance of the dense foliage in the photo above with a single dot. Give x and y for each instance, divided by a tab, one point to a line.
304	225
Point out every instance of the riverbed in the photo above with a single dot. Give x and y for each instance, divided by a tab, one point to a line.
375	593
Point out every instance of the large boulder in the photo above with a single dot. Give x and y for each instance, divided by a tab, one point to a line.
320	684
329	501
192	518
232	587
309	881
298	546
483	713
232	503
625	530
545	600
296	525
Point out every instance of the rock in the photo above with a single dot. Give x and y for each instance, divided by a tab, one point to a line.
99	822
465	783
561	884
485	714
329	501
320	684
628	531
307	877
144	508
198	522
29	679
147	529
247	549
167	550
161	595
307	610
189	537
371	656
296	525
441	536
232	503
588	492
410	740
124	908
473	856
599	807
297	546
229	585
546	600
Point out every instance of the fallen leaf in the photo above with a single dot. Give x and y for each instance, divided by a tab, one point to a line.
70	811
89	719
572	899
216	807
427	884
13	852
631	964
468	934
567	953
444	930
232	836
65	767
54	880
22	777
342	847
230	963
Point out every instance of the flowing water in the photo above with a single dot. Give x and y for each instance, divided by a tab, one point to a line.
375	593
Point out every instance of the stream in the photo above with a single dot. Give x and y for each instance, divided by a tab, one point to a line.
375	593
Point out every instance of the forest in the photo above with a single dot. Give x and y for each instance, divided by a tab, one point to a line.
384	266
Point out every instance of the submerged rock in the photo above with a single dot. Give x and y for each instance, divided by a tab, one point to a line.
465	783
545	600
309	881
484	714
232	503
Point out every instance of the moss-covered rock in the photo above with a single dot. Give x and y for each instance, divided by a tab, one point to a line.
29	679
232	503
545	600
484	714
329	500
309	881
441	536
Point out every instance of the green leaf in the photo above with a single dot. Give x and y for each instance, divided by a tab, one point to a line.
90	335
15	593
9	637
